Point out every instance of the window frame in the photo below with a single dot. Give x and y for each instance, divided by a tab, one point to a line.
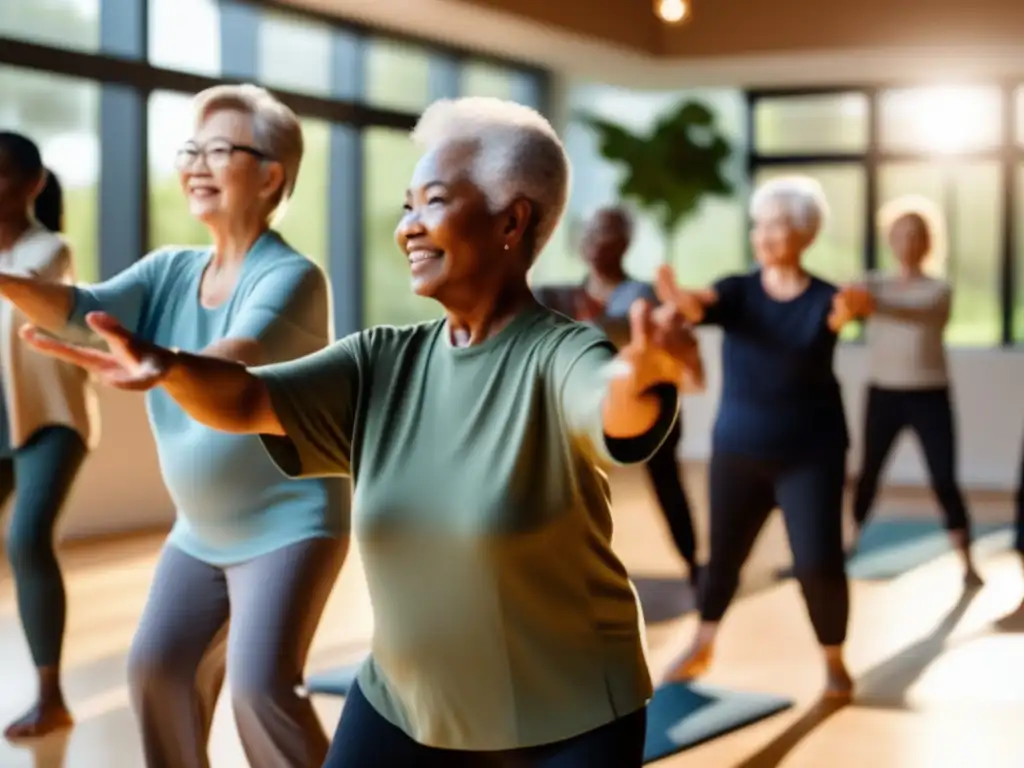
127	79
1009	154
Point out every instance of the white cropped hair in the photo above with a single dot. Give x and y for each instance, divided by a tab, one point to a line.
801	199
519	155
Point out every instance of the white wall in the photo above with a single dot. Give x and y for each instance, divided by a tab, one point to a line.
990	414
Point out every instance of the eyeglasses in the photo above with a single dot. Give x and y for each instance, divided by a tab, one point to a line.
216	154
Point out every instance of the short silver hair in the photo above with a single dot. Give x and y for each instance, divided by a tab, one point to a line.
800	198
518	155
276	129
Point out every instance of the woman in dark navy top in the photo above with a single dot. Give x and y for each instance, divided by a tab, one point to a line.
780	437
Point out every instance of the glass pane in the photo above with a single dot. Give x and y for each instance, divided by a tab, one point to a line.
971	196
389	158
709	244
185	35
481	79
63	23
61	114
1018	312
295	54
944	120
397	76
808	125
306	222
170	124
838	253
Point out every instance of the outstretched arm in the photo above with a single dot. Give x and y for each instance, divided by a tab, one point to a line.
45	304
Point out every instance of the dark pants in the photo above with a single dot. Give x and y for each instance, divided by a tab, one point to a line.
364	738
663	469
744	491
40	474
929	413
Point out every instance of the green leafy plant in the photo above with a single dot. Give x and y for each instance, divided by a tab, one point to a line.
672	169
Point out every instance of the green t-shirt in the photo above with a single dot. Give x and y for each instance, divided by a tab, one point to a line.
502	617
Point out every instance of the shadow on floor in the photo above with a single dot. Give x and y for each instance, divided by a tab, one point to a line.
885	685
775	751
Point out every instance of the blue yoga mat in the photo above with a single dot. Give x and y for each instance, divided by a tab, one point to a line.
334	682
889	548
683	715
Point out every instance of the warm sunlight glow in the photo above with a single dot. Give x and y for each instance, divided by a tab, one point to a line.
671	11
948	120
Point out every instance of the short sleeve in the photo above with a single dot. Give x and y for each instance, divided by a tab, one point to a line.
315	399
124	296
582	372
728	308
287	310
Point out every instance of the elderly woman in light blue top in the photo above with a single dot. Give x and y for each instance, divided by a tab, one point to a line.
247	544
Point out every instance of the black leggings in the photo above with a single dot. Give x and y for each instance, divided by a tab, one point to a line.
41	475
744	491
929	413
663	469
364	738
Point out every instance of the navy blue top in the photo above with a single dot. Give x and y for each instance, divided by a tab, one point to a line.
780	397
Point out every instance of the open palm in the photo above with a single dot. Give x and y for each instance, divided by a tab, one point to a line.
131	363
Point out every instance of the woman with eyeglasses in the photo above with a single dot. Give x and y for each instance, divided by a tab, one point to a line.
248	544
48	422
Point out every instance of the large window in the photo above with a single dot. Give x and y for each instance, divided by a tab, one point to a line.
387	283
397	76
61	23
306	221
185	35
61	114
802	125
945	144
170	125
482	79
295	54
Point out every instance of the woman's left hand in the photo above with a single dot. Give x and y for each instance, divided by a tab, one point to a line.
132	363
662	349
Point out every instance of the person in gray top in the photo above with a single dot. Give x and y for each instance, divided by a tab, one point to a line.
907	312
604	299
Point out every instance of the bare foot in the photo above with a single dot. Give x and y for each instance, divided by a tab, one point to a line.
42	719
972	579
694	664
839	685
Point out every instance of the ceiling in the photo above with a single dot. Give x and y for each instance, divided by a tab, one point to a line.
726	42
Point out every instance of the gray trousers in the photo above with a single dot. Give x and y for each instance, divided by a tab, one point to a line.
185	644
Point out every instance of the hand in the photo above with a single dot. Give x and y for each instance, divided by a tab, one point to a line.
662	349
690	304
131	363
858	300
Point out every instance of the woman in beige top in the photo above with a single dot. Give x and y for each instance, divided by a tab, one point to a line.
47	423
908	385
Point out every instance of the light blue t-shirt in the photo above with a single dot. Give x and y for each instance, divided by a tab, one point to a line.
232	502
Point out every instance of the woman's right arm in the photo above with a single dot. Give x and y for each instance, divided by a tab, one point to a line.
703	306
45	304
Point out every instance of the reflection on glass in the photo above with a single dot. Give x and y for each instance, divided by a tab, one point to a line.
481	79
389	158
942	120
807	125
170	125
295	53
306	220
970	195
61	114
185	35
397	76
64	23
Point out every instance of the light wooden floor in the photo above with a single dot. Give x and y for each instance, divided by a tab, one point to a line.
941	683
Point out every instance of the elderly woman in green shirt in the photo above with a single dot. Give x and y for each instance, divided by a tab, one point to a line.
506	630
